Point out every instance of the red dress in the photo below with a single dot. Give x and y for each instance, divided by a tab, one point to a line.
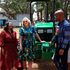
8	42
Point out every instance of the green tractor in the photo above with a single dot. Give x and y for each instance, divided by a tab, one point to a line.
46	31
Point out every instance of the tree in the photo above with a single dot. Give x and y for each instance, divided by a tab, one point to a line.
55	5
12	7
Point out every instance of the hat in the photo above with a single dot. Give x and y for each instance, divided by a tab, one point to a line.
59	11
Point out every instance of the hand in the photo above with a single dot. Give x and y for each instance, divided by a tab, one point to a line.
61	51
50	42
21	48
1	50
42	41
27	50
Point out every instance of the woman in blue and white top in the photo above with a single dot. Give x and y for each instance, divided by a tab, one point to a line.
27	40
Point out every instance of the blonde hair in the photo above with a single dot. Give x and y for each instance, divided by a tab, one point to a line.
25	18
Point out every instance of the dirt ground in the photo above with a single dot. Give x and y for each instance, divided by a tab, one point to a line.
43	65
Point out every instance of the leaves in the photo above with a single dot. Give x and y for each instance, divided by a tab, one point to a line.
22	6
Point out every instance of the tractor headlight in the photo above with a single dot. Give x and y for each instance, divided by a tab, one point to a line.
49	30
40	30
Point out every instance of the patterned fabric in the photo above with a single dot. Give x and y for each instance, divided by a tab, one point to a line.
62	35
66	36
28	42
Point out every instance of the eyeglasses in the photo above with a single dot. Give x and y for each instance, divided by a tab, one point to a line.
25	21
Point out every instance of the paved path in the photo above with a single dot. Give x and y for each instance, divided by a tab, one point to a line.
43	65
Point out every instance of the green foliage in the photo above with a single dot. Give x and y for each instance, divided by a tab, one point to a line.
22	6
15	6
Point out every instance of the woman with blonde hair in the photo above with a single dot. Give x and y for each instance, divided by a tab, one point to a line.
27	40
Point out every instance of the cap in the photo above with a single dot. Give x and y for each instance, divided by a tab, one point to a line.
59	11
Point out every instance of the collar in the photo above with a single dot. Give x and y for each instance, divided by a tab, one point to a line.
61	23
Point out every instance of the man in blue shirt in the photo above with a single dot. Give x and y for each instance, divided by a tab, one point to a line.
61	39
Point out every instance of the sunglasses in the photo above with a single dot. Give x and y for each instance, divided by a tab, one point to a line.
25	21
